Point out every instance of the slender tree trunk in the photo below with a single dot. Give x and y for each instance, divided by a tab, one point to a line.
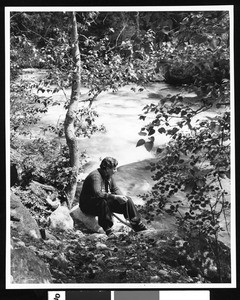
71	113
137	24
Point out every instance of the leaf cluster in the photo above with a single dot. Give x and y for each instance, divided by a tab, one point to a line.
195	162
46	161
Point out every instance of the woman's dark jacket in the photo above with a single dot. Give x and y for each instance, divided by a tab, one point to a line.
96	188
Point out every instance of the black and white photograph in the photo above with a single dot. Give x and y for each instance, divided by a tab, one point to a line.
120	147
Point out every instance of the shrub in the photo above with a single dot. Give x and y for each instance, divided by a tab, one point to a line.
195	162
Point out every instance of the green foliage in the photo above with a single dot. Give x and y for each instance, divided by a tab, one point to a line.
47	162
85	123
198	51
196	161
106	67
196	150
23	54
110	55
35	205
195	167
29	100
121	47
26	107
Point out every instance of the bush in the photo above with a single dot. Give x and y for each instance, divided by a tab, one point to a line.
46	161
196	162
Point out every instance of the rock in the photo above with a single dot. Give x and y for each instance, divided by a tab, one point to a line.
15	176
97	237
50	236
54	204
42	190
61	262
154	278
20	243
137	265
33	248
163	273
89	221
101	246
26	223
112	259
118	226
52	242
61	219
79	234
48	255
26	267
45	192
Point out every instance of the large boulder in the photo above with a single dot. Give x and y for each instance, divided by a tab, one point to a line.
61	219
26	267
90	222
21	219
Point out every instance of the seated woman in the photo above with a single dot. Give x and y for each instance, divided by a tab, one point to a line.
101	197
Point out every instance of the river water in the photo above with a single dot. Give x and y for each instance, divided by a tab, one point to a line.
119	113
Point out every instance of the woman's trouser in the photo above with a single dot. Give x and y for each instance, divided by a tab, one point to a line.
104	208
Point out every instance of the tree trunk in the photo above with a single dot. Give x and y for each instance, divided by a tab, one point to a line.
137	24
71	113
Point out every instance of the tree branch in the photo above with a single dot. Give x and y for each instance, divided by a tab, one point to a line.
116	45
35	33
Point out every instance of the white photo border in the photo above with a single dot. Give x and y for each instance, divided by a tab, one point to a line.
113	286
